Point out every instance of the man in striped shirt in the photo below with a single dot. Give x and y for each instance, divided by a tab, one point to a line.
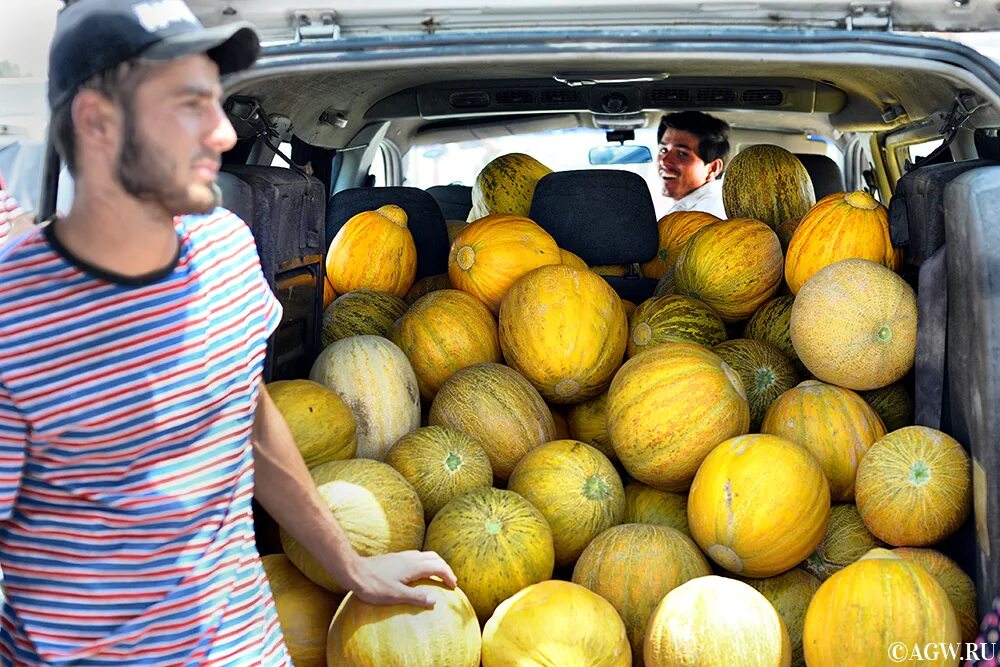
134	426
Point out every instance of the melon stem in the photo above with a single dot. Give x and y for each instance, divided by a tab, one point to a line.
595	488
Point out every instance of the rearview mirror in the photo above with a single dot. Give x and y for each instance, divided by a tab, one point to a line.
620	155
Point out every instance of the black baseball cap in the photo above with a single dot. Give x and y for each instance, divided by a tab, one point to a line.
92	36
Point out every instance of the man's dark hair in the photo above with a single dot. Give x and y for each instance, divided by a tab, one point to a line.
712	133
118	84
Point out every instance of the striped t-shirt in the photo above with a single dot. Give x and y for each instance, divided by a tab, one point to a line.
9	209
126	470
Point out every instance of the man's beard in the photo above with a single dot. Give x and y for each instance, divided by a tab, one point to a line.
148	175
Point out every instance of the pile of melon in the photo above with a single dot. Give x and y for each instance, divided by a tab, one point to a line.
720	475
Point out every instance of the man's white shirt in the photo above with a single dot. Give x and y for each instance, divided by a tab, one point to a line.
707	198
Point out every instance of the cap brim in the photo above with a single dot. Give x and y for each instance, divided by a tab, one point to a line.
233	46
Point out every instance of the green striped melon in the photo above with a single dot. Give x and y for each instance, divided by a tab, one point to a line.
377	382
790	593
893	404
765	371
499	408
767	183
673	318
770	325
506	185
440	463
847	539
378	510
496	543
588	422
956	583
361	312
644	504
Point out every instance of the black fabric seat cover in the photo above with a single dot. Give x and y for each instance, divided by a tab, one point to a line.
455	200
824	172
604	216
424	220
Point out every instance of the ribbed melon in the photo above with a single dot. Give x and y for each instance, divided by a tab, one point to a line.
496	543
847	539
497	407
766	373
759	505
361	312
373	250
376	381
375	506
541	625
618	566
321	423
957	584
767	183
426	285
644	504
569	259
878	611
444	332
892	403
673	318
588	422
674	231
833	423
440	463
716	621
576	489
304	610
506	185
565	330
854	324
488	256
839	226
734	266
790	594
914	487
668	407
770	325
368	635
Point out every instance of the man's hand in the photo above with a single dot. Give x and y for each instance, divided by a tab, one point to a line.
384	579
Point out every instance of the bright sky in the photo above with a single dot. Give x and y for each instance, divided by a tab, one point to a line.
25	32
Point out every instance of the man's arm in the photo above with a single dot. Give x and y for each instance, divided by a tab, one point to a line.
287	491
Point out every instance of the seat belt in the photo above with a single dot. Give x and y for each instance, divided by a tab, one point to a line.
932	330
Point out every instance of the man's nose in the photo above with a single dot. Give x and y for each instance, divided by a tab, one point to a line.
221	136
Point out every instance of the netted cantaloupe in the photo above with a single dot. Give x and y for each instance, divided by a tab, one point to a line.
668	407
711	621
368	635
496	543
770	325
644	504
361	312
790	594
320	421
633	566
440	463
304	610
759	505
893	404
765	371
878	611
498	408
577	490
914	487
854	324
376	507
565	330
542	623
833	423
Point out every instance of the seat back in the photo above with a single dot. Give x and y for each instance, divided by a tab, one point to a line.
605	216
424	220
824	172
284	211
455	201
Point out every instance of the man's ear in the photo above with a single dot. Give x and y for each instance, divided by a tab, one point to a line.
95	118
714	169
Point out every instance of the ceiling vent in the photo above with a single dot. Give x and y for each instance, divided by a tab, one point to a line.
476	99
715	96
767	97
515	97
667	95
559	98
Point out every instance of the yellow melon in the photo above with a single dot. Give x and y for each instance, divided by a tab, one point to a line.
304	610
320	421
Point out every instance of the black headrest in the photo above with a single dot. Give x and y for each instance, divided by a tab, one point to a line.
455	200
605	216
824	172
424	220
